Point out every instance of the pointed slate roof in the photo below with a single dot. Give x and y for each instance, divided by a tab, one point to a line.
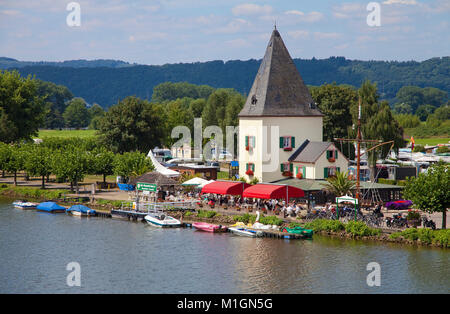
278	89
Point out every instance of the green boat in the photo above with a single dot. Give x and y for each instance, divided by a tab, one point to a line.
306	233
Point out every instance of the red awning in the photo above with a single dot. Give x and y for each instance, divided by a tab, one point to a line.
272	191
225	188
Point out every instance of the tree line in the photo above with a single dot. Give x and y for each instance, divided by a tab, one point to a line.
69	160
113	83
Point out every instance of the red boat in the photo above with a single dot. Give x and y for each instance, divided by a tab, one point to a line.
203	226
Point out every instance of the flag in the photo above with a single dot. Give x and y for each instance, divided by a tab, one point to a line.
412	143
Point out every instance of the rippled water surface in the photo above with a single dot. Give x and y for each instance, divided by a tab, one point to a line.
122	257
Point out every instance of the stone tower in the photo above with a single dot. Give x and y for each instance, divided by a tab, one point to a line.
278	115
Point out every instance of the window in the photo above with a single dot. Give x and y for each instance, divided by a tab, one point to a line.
330	172
287	142
250	169
250	142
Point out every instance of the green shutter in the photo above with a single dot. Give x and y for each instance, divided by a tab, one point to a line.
281	142
246	167
293	142
338	169
246	141
304	172
282	167
325	173
336	153
291	167
253	167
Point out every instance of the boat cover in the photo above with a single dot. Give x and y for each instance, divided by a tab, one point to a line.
49	206
81	208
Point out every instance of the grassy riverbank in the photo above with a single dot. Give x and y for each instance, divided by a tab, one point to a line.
7	190
351	230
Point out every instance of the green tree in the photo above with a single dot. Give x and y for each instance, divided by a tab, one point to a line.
377	123
72	164
340	184
56	98
21	109
132	124
132	164
102	162
169	91
76	114
38	161
178	114
96	113
423	111
430	192
442	113
434	96
16	161
335	102
411	95
403	108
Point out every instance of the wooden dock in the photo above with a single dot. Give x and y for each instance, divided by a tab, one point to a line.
267	233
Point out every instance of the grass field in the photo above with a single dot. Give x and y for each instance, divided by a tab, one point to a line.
431	141
66	133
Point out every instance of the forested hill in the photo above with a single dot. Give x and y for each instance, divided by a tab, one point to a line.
6	63
105	85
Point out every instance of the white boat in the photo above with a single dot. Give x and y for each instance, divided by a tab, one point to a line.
245	232
162	220
24	204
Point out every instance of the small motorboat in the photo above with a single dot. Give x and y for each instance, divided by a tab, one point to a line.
245	232
51	207
81	211
305	233
162	220
24	204
203	226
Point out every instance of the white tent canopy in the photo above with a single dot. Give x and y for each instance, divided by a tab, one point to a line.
160	168
196	181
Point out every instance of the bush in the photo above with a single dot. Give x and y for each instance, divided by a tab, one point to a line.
413	214
245	218
187	214
358	228
428	236
271	220
325	225
206	213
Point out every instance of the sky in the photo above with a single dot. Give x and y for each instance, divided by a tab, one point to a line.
173	31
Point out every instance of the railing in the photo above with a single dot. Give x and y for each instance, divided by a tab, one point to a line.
162	206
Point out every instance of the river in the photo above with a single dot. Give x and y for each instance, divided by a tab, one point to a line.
124	257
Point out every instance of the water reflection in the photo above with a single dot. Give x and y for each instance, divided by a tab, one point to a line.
123	257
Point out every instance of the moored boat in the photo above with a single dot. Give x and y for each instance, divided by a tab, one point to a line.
162	220
51	207
81	211
305	233
245	232
203	226
24	204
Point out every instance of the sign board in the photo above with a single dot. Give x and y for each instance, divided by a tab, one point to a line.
146	187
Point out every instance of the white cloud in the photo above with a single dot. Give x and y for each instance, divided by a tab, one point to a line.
251	9
298	34
295	12
407	2
299	16
321	35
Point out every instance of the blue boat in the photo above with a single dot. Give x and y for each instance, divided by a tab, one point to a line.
51	207
81	210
